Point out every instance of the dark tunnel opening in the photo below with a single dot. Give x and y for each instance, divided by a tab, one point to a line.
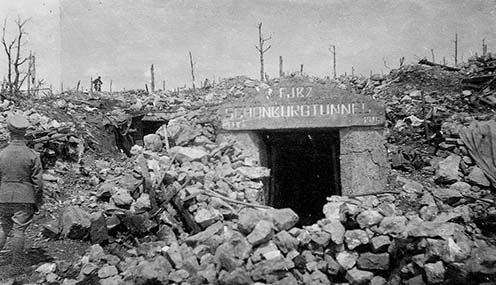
305	170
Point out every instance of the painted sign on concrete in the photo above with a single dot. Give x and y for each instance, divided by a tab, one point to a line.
301	104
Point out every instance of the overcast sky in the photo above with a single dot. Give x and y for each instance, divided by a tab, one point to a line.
119	39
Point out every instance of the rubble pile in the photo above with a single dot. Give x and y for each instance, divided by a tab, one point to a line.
186	212
481	79
53	139
364	240
186	206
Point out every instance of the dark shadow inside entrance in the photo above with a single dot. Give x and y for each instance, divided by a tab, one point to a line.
304	170
150	127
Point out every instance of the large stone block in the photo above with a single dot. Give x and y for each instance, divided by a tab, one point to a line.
372	261
74	223
152	142
98	229
448	170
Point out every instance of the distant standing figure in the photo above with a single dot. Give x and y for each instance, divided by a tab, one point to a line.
97	84
21	188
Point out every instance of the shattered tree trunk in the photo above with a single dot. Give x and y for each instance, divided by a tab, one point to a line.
484	47
29	73
262	50
449	68
456	49
333	51
152	83
33	74
15	60
192	71
281	72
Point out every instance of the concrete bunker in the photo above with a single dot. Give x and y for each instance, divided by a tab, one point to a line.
317	141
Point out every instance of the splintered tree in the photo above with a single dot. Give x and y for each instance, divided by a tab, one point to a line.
484	47
192	71
152	80
456	48
261	49
332	48
15	60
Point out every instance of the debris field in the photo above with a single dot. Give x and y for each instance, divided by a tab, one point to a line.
156	193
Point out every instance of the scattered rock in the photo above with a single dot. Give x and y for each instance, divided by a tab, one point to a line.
355	238
107	271
98	228
248	218
262	232
284	219
449	196
378	280
460	186
380	243
477	177
122	198
152	142
372	261
392	225
286	242
207	216
336	229
143	203
434	272
447	170
254	172
369	218
347	259
185	154
74	223
320	237
356	277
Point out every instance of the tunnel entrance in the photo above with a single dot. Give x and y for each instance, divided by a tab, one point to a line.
305	170
143	125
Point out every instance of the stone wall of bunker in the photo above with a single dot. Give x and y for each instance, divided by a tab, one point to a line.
255	153
363	157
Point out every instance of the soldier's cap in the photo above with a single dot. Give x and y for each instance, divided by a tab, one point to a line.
17	123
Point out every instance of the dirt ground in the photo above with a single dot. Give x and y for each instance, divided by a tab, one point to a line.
40	250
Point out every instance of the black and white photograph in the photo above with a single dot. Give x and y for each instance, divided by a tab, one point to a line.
259	142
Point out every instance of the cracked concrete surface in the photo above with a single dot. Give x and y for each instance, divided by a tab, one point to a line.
363	161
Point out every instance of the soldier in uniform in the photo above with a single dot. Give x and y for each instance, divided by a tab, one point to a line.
20	189
97	84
